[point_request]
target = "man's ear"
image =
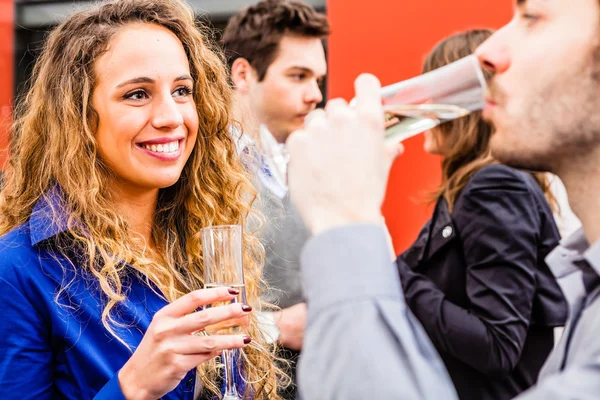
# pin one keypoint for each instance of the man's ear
(242, 74)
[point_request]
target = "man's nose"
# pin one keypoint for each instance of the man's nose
(493, 54)
(313, 93)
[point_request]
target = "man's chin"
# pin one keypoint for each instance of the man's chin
(517, 156)
(504, 152)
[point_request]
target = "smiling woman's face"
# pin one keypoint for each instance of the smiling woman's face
(147, 118)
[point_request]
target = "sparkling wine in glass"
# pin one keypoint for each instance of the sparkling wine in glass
(228, 327)
(222, 246)
(403, 121)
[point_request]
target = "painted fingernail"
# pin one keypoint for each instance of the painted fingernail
(246, 308)
(247, 339)
(233, 291)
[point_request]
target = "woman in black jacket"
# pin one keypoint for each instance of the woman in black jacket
(476, 277)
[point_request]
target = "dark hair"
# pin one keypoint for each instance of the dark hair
(467, 139)
(255, 33)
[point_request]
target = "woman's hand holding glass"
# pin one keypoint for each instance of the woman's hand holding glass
(174, 342)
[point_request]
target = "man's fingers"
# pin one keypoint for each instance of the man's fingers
(393, 150)
(214, 316)
(317, 116)
(338, 112)
(196, 299)
(334, 104)
(368, 94)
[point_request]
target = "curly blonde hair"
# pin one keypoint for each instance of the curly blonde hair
(53, 143)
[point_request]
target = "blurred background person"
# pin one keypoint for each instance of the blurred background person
(101, 270)
(277, 61)
(475, 277)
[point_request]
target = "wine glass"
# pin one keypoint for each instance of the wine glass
(410, 107)
(222, 246)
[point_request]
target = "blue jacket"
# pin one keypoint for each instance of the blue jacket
(52, 343)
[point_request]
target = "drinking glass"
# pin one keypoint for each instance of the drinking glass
(222, 246)
(421, 103)
(410, 107)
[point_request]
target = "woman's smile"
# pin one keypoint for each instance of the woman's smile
(165, 149)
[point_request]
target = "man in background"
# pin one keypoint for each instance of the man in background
(277, 61)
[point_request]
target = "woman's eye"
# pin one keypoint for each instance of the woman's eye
(136, 95)
(183, 91)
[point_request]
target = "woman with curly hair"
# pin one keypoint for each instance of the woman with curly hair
(121, 152)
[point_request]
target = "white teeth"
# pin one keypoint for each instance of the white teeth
(171, 147)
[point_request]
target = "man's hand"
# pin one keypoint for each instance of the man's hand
(291, 322)
(339, 163)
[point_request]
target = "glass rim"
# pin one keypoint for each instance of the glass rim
(472, 59)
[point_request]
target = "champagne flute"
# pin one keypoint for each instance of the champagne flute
(421, 103)
(410, 107)
(222, 246)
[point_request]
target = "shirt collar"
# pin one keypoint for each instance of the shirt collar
(574, 248)
(592, 256)
(242, 141)
(254, 159)
(576, 242)
(49, 216)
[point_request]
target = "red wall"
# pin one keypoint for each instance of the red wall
(389, 38)
(6, 70)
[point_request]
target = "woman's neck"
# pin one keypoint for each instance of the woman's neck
(138, 207)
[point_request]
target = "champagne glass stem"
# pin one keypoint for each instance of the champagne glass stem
(230, 389)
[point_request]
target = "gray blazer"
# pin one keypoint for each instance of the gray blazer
(361, 341)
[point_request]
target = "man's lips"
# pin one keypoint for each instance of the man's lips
(489, 100)
(490, 104)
